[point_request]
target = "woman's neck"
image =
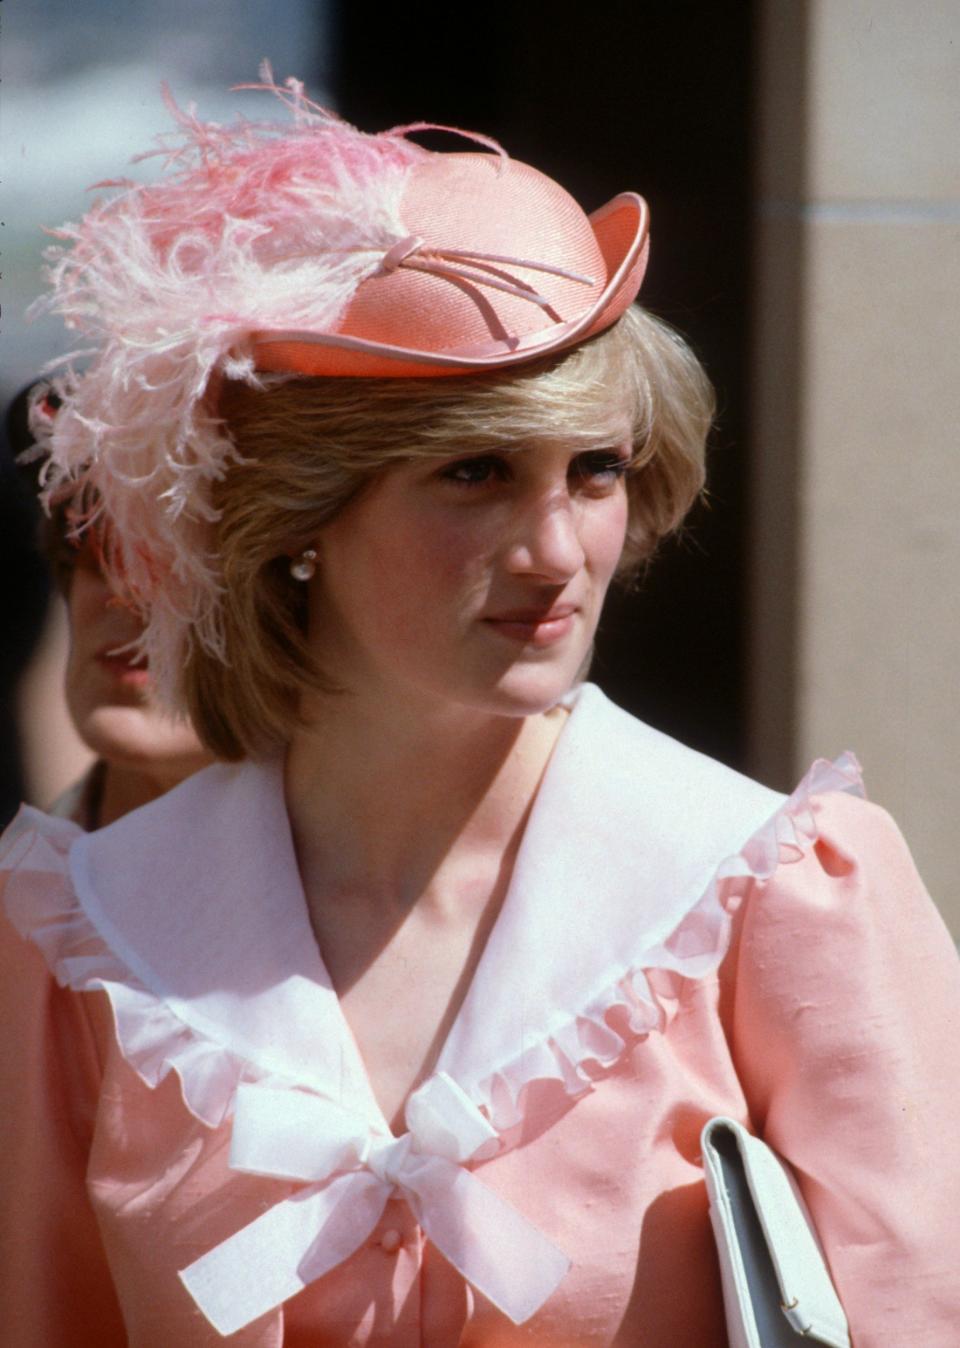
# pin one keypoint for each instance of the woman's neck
(391, 804)
(123, 789)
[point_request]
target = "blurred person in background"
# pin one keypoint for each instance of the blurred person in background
(140, 750)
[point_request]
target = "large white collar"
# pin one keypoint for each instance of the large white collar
(200, 896)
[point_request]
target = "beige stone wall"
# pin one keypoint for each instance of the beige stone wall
(856, 550)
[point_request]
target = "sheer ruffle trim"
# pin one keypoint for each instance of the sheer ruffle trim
(42, 906)
(632, 1005)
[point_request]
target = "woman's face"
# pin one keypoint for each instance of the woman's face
(477, 579)
(108, 694)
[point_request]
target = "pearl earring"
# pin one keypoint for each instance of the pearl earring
(304, 567)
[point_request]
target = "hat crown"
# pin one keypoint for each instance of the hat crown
(480, 205)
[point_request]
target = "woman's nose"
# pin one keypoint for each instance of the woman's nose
(546, 541)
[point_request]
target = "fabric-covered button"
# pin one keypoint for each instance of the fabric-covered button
(391, 1240)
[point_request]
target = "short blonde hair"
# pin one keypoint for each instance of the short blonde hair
(308, 446)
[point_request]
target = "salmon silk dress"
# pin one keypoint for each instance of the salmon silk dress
(192, 1154)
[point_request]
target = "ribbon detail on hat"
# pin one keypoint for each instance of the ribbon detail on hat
(460, 264)
(351, 1170)
(399, 253)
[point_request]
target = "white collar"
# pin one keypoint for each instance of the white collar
(200, 896)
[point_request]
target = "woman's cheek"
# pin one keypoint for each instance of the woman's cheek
(607, 536)
(450, 552)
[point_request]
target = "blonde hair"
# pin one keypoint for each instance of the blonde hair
(307, 446)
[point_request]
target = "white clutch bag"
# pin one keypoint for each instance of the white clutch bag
(776, 1288)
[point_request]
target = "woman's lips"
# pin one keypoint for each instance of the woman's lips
(124, 669)
(533, 627)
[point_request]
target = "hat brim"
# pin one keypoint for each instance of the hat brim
(621, 229)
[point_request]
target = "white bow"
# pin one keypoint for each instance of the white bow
(351, 1170)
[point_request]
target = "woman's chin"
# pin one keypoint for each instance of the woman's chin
(529, 690)
(139, 736)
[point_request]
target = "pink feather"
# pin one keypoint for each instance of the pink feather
(255, 225)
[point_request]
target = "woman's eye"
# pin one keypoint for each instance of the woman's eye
(593, 468)
(601, 466)
(474, 472)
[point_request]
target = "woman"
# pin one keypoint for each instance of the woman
(141, 750)
(399, 1025)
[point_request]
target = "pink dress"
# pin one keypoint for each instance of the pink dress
(192, 1153)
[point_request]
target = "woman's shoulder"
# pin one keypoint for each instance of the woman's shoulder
(653, 785)
(699, 804)
(138, 912)
(39, 934)
(55, 876)
(845, 890)
(699, 859)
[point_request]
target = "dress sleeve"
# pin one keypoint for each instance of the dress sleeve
(55, 1288)
(843, 996)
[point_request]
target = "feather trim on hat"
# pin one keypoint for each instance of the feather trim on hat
(256, 226)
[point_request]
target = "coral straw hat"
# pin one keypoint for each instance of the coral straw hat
(270, 250)
(496, 264)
